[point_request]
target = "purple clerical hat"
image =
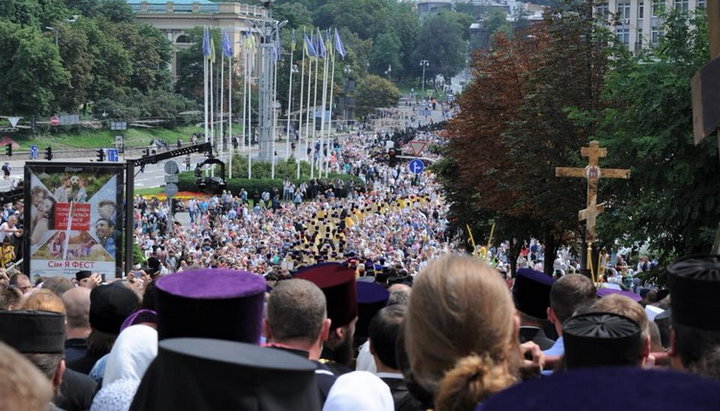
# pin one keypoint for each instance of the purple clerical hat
(211, 303)
(603, 292)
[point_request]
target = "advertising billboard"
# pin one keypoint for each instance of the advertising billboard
(73, 218)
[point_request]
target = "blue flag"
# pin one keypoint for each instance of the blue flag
(206, 42)
(278, 45)
(339, 47)
(321, 51)
(309, 46)
(227, 46)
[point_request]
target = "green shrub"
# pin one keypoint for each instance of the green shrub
(187, 179)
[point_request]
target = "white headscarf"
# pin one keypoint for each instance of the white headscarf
(359, 391)
(132, 353)
(134, 350)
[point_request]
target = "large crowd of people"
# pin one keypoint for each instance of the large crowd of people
(393, 221)
(352, 297)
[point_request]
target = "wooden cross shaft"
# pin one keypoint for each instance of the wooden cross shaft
(592, 173)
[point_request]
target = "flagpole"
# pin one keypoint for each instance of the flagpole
(332, 82)
(212, 109)
(289, 107)
(245, 90)
(314, 119)
(222, 102)
(205, 86)
(308, 156)
(230, 116)
(323, 147)
(299, 133)
(273, 133)
(249, 105)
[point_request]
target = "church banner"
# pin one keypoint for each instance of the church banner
(73, 219)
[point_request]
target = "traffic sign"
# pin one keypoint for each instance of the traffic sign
(171, 189)
(112, 154)
(33, 152)
(54, 121)
(416, 166)
(171, 179)
(171, 167)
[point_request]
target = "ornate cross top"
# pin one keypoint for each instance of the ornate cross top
(592, 173)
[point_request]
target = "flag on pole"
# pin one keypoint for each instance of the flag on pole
(328, 43)
(211, 57)
(309, 46)
(227, 45)
(206, 42)
(293, 41)
(339, 47)
(278, 45)
(320, 45)
(249, 41)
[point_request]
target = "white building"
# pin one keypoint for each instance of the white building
(636, 23)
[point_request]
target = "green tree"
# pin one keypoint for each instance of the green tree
(296, 14)
(30, 69)
(112, 62)
(366, 18)
(150, 53)
(405, 25)
(441, 43)
(114, 10)
(386, 53)
(375, 92)
(78, 59)
(671, 199)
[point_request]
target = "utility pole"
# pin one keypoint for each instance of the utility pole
(267, 29)
(423, 64)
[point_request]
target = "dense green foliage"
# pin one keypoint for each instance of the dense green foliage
(93, 57)
(538, 98)
(64, 56)
(263, 182)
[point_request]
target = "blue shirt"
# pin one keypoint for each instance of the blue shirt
(557, 349)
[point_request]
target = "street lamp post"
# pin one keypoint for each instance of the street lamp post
(347, 70)
(73, 19)
(388, 71)
(423, 63)
(55, 29)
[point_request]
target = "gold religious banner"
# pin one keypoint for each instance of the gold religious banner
(592, 173)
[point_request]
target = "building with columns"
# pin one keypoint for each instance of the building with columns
(636, 23)
(175, 18)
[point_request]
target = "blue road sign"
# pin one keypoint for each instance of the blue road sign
(33, 152)
(416, 166)
(112, 154)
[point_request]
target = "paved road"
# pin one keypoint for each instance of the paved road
(154, 174)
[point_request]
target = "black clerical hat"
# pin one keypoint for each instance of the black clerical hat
(33, 331)
(210, 374)
(531, 292)
(695, 286)
(371, 298)
(601, 339)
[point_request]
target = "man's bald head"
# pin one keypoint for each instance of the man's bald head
(399, 294)
(399, 287)
(77, 307)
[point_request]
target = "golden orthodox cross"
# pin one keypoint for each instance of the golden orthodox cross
(592, 173)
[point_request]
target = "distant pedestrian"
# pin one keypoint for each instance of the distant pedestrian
(6, 171)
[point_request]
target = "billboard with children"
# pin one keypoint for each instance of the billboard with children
(73, 218)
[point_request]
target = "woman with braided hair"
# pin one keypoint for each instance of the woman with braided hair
(461, 333)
